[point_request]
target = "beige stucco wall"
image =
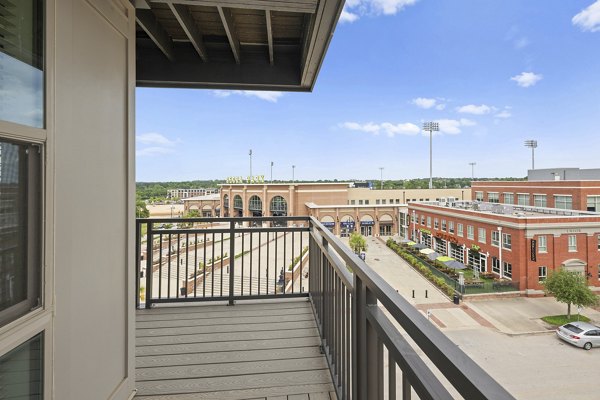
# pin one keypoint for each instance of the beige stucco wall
(406, 195)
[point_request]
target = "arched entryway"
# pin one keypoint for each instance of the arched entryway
(366, 225)
(328, 222)
(278, 207)
(238, 206)
(574, 265)
(386, 223)
(255, 206)
(347, 225)
(207, 211)
(226, 205)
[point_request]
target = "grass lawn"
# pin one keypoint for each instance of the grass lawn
(557, 320)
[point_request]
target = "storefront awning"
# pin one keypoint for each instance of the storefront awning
(426, 251)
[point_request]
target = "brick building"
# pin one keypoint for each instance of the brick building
(519, 243)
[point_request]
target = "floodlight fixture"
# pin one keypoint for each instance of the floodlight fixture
(532, 144)
(431, 127)
(472, 164)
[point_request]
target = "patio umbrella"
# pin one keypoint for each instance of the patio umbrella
(406, 241)
(444, 259)
(426, 251)
(433, 255)
(455, 264)
(411, 243)
(419, 246)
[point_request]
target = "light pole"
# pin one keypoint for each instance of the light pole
(531, 144)
(293, 172)
(500, 249)
(250, 154)
(271, 171)
(431, 127)
(381, 170)
(472, 164)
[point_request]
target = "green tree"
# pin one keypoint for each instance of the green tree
(193, 214)
(357, 242)
(570, 288)
(140, 209)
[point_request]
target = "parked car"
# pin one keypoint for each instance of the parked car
(580, 334)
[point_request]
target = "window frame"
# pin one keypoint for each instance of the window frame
(572, 244)
(506, 241)
(542, 273)
(470, 232)
(542, 239)
(481, 235)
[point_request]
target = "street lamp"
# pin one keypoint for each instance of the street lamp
(293, 171)
(472, 164)
(381, 170)
(431, 127)
(532, 144)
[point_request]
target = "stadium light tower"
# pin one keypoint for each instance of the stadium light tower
(293, 172)
(532, 144)
(381, 169)
(472, 164)
(431, 127)
(250, 154)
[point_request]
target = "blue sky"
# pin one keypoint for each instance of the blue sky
(492, 73)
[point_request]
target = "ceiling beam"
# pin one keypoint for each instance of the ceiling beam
(269, 35)
(183, 15)
(234, 42)
(298, 6)
(148, 22)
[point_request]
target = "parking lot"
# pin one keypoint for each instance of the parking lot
(504, 336)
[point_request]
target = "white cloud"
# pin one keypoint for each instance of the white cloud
(475, 110)
(263, 95)
(347, 16)
(157, 144)
(527, 79)
(386, 127)
(423, 102)
(440, 107)
(354, 9)
(503, 114)
(521, 43)
(589, 18)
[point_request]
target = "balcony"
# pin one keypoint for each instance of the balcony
(278, 307)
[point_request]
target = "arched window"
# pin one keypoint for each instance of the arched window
(226, 201)
(237, 202)
(255, 203)
(278, 205)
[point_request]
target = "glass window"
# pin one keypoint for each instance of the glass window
(539, 200)
(352, 202)
(422, 220)
(255, 204)
(383, 201)
(523, 199)
(377, 201)
(360, 202)
(397, 201)
(496, 265)
(495, 238)
(593, 203)
(479, 196)
(429, 222)
(443, 224)
(572, 243)
(226, 201)
(563, 202)
(509, 198)
(22, 62)
(451, 226)
(470, 232)
(20, 263)
(436, 223)
(542, 244)
(507, 241)
(366, 201)
(459, 229)
(493, 197)
(507, 269)
(598, 241)
(21, 371)
(542, 273)
(481, 235)
(278, 206)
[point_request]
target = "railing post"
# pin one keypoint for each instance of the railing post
(231, 260)
(367, 352)
(149, 259)
(138, 244)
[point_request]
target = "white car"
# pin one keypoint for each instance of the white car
(580, 334)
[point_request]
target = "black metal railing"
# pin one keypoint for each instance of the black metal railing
(363, 323)
(376, 343)
(207, 259)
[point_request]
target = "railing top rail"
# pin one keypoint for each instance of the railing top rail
(221, 219)
(335, 261)
(475, 383)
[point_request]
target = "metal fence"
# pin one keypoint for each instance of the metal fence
(208, 259)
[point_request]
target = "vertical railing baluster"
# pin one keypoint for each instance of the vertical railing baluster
(406, 389)
(250, 266)
(187, 253)
(169, 269)
(293, 266)
(149, 273)
(259, 259)
(196, 265)
(204, 265)
(160, 256)
(212, 265)
(138, 261)
(178, 265)
(221, 261)
(301, 265)
(391, 377)
(242, 274)
(231, 262)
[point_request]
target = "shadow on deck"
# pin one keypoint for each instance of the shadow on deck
(260, 350)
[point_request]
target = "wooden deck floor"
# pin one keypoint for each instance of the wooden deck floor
(264, 350)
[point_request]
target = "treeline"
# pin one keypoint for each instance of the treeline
(438, 183)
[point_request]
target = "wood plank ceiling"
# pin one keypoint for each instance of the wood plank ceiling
(234, 44)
